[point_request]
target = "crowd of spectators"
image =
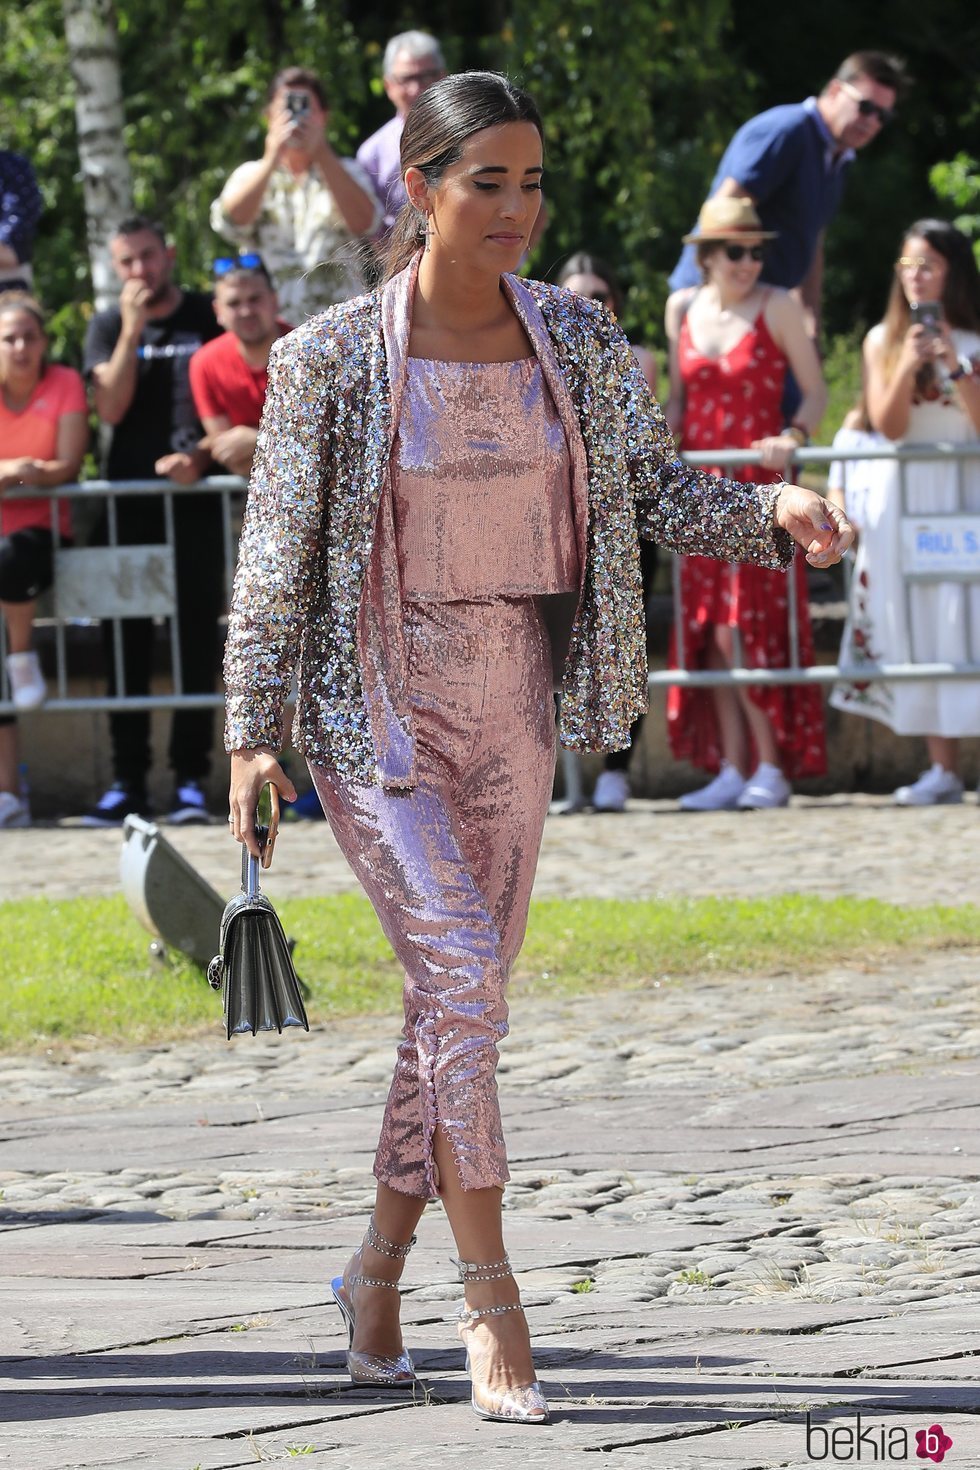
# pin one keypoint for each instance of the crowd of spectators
(177, 380)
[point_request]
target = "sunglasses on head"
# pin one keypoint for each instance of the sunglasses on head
(866, 107)
(736, 252)
(226, 263)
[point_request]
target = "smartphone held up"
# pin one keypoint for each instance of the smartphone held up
(297, 105)
(928, 314)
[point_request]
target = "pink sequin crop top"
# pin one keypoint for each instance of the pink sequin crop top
(482, 500)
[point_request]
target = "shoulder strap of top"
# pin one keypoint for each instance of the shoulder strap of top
(766, 298)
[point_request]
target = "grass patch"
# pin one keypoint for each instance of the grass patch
(78, 971)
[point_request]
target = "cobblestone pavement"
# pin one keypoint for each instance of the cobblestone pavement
(833, 845)
(734, 1201)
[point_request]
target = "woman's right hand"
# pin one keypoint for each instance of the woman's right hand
(776, 451)
(917, 348)
(251, 771)
(14, 472)
(281, 135)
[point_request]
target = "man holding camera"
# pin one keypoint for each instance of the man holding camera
(300, 206)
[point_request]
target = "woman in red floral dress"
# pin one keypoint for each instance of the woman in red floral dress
(731, 343)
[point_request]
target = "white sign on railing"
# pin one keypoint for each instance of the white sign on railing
(943, 545)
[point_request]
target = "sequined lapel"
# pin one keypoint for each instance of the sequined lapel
(381, 643)
(534, 324)
(397, 301)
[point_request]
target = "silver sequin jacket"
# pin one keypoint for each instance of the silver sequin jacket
(317, 578)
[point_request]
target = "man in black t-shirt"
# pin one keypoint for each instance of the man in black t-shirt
(137, 356)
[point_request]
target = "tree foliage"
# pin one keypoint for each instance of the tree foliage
(639, 100)
(618, 87)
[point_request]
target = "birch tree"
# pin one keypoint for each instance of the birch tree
(93, 56)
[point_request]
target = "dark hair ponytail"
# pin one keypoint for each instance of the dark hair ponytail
(438, 124)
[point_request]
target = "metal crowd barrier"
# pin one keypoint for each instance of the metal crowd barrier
(921, 533)
(112, 582)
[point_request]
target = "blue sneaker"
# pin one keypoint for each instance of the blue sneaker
(114, 807)
(190, 806)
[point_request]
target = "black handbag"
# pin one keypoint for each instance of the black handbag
(254, 966)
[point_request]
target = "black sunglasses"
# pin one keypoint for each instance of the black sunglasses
(596, 295)
(866, 107)
(754, 252)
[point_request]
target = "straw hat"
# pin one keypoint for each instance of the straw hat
(726, 218)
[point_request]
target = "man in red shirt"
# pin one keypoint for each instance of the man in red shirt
(229, 375)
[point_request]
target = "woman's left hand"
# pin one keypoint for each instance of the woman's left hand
(776, 451)
(944, 348)
(820, 527)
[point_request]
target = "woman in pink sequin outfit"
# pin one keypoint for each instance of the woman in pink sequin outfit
(442, 518)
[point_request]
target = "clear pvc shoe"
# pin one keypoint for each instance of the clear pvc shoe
(373, 1369)
(524, 1404)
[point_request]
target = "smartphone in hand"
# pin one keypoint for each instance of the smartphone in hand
(928, 314)
(297, 105)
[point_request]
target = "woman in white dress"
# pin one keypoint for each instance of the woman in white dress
(923, 385)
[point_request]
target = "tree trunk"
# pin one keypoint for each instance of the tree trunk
(93, 54)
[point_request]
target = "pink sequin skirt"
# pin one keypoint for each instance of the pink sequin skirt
(448, 867)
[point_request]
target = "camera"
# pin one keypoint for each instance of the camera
(297, 105)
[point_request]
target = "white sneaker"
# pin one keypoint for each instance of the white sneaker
(612, 792)
(935, 787)
(27, 686)
(766, 787)
(720, 795)
(13, 811)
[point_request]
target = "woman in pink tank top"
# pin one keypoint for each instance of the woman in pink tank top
(43, 436)
(731, 343)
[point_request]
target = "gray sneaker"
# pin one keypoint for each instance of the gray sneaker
(935, 787)
(766, 787)
(612, 792)
(720, 795)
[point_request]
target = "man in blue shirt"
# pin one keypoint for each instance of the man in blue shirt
(791, 162)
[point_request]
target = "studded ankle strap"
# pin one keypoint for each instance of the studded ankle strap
(470, 1315)
(353, 1281)
(482, 1270)
(384, 1246)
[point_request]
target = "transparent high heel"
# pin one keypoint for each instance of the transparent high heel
(525, 1404)
(373, 1368)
